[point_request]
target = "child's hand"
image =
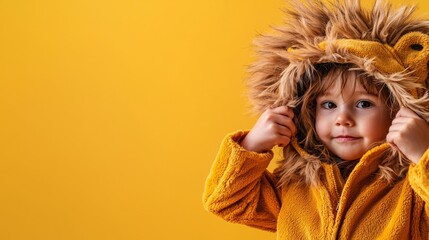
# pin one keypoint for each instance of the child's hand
(274, 127)
(410, 134)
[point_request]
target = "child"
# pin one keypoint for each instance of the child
(344, 91)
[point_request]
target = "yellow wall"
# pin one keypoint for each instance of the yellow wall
(112, 113)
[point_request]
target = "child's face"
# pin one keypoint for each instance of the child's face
(348, 122)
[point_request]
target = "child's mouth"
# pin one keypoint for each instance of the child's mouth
(345, 138)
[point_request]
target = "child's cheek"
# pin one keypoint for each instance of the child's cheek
(322, 124)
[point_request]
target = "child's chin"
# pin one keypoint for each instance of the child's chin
(349, 157)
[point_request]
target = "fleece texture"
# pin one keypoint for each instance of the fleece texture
(241, 190)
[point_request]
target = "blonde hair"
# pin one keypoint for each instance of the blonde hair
(306, 169)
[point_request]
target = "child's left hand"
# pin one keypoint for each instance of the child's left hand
(410, 134)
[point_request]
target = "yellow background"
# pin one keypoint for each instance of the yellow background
(112, 113)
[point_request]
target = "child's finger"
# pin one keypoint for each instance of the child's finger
(404, 123)
(284, 110)
(283, 141)
(287, 123)
(398, 122)
(285, 131)
(280, 119)
(395, 128)
(406, 112)
(391, 137)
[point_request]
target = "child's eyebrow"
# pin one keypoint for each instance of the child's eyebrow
(331, 93)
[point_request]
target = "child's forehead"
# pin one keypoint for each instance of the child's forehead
(338, 80)
(342, 72)
(349, 87)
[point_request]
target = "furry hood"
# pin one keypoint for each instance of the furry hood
(317, 32)
(390, 45)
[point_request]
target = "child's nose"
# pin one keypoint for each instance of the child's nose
(344, 118)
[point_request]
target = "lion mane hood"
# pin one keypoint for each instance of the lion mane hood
(391, 45)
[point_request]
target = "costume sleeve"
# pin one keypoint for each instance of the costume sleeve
(239, 188)
(419, 178)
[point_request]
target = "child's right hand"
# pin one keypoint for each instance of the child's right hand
(274, 127)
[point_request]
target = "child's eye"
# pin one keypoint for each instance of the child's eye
(364, 104)
(328, 105)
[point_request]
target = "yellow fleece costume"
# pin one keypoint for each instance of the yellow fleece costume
(240, 190)
(390, 46)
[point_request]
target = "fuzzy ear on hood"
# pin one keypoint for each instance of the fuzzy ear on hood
(392, 45)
